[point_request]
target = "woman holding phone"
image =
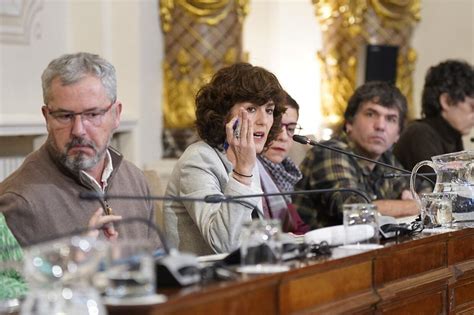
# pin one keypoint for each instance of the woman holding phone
(238, 114)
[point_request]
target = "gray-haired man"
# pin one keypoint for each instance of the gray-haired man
(81, 110)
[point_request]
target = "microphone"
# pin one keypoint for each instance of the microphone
(306, 140)
(83, 230)
(175, 268)
(227, 198)
(95, 195)
(218, 198)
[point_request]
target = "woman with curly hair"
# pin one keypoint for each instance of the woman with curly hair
(238, 114)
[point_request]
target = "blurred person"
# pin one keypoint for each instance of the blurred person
(447, 115)
(238, 114)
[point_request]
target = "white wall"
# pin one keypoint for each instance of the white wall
(124, 32)
(283, 36)
(22, 64)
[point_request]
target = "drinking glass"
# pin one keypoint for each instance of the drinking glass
(261, 248)
(130, 269)
(437, 209)
(58, 274)
(361, 224)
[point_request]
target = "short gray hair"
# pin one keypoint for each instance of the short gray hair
(71, 68)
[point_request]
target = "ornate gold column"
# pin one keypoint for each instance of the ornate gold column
(200, 36)
(347, 26)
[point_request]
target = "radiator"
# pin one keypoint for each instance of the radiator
(8, 164)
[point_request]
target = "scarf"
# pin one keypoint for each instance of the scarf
(285, 174)
(277, 207)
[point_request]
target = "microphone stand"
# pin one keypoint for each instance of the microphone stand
(306, 140)
(83, 230)
(95, 195)
(224, 198)
(218, 198)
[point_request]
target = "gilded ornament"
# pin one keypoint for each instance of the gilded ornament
(166, 8)
(348, 26)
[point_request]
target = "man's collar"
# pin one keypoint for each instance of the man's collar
(112, 155)
(108, 169)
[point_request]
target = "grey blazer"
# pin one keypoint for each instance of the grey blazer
(200, 227)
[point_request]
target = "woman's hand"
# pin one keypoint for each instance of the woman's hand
(241, 152)
(104, 223)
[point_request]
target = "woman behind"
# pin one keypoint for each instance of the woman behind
(278, 173)
(237, 115)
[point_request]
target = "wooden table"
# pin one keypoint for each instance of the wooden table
(428, 274)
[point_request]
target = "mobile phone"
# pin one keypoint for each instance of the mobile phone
(236, 124)
(234, 128)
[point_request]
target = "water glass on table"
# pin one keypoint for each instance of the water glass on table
(361, 226)
(437, 209)
(261, 248)
(130, 269)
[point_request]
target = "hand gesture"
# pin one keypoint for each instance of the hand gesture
(104, 223)
(241, 152)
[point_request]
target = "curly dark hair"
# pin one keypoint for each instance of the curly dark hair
(381, 93)
(290, 102)
(454, 77)
(240, 82)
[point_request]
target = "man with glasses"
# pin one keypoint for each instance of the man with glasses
(40, 200)
(373, 118)
(278, 173)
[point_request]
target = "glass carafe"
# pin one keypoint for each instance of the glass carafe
(58, 273)
(454, 173)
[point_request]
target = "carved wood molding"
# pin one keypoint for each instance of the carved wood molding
(415, 284)
(464, 269)
(17, 20)
(353, 304)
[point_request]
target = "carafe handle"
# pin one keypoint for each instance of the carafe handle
(413, 177)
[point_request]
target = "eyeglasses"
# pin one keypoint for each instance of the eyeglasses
(292, 128)
(94, 117)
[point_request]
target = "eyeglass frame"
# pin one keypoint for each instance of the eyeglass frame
(99, 112)
(291, 134)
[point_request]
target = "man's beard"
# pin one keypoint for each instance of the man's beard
(80, 161)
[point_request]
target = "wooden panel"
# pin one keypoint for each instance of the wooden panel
(255, 299)
(461, 248)
(326, 286)
(428, 303)
(430, 274)
(469, 311)
(431, 281)
(463, 295)
(354, 305)
(397, 264)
